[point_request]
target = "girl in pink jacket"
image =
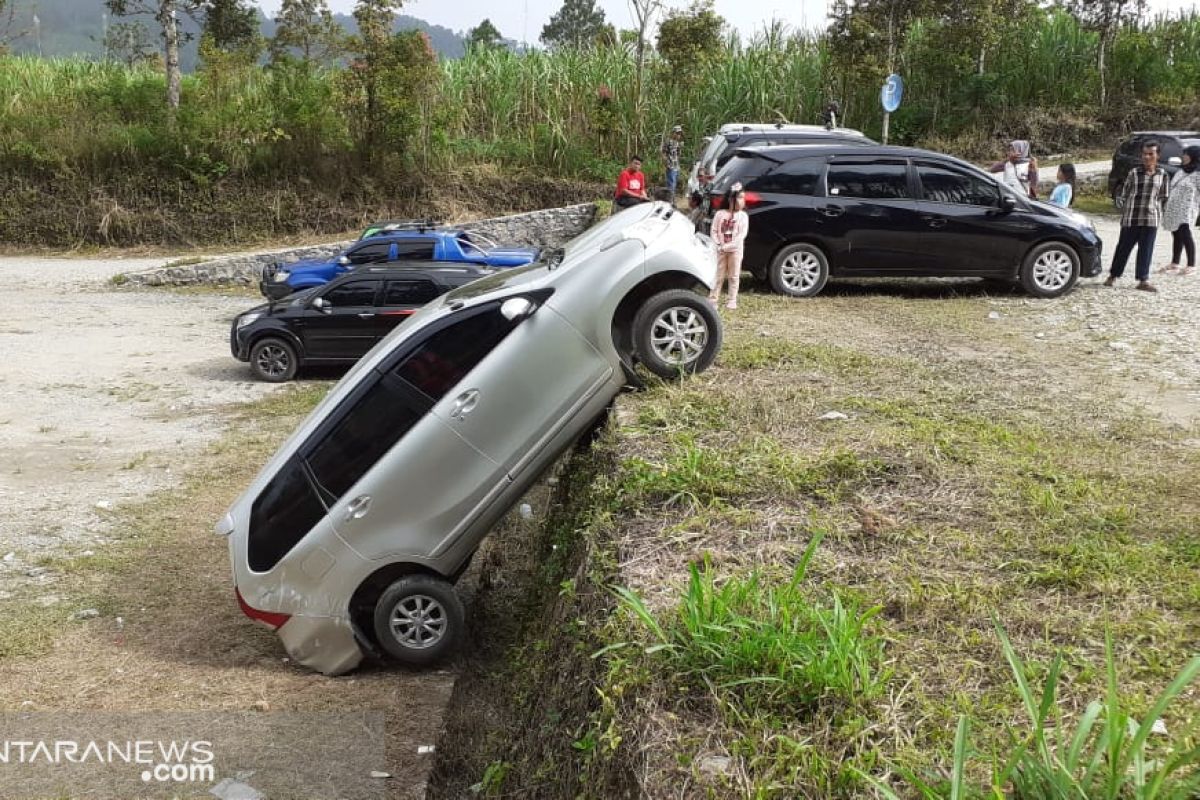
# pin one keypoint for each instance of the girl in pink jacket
(729, 228)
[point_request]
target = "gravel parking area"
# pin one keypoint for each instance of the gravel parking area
(1144, 343)
(104, 395)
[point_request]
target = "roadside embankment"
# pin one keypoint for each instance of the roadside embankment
(549, 227)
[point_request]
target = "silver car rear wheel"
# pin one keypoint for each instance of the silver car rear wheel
(419, 619)
(1050, 269)
(676, 332)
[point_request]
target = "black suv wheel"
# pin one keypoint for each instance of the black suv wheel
(273, 360)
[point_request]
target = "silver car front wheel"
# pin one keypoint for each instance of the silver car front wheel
(419, 619)
(799, 270)
(1050, 269)
(676, 332)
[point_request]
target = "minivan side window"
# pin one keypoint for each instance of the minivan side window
(878, 179)
(285, 510)
(444, 359)
(941, 184)
(800, 176)
(354, 293)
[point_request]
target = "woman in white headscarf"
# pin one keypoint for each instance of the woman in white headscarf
(1019, 168)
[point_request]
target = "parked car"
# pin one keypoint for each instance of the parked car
(352, 536)
(721, 146)
(340, 321)
(1128, 154)
(381, 247)
(822, 211)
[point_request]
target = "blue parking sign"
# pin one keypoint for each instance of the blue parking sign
(893, 90)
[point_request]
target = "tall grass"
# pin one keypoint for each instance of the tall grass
(575, 113)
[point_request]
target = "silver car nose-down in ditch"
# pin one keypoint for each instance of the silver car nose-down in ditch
(351, 537)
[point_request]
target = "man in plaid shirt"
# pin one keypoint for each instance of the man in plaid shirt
(1142, 199)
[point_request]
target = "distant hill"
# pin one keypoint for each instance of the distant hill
(76, 28)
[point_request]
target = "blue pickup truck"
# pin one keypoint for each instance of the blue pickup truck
(383, 247)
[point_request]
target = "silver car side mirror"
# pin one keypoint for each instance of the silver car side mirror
(516, 308)
(1175, 161)
(322, 305)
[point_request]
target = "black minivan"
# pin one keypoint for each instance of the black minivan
(1128, 154)
(821, 211)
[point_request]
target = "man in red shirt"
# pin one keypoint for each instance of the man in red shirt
(631, 185)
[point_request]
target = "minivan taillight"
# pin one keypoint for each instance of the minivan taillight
(716, 201)
(271, 619)
(752, 199)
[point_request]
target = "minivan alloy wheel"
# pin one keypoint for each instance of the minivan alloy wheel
(418, 621)
(679, 335)
(800, 271)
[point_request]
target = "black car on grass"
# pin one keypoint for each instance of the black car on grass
(338, 322)
(821, 211)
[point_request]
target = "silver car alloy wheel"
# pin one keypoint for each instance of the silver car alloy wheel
(273, 360)
(679, 335)
(800, 271)
(1052, 270)
(418, 622)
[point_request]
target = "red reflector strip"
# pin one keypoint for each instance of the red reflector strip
(406, 313)
(271, 619)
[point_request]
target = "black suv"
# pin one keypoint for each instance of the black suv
(338, 322)
(821, 211)
(1128, 154)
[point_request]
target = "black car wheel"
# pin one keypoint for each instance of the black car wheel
(1050, 269)
(675, 332)
(419, 619)
(799, 270)
(273, 360)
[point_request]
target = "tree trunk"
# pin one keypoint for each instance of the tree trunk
(1100, 67)
(170, 26)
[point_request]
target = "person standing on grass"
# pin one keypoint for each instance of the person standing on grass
(729, 228)
(1183, 206)
(670, 153)
(631, 185)
(1064, 192)
(1142, 200)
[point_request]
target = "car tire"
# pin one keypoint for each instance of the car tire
(419, 620)
(1050, 269)
(799, 270)
(676, 331)
(273, 360)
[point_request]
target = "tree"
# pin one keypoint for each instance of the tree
(231, 25)
(691, 40)
(1105, 17)
(374, 44)
(128, 42)
(578, 24)
(166, 14)
(643, 13)
(484, 36)
(309, 27)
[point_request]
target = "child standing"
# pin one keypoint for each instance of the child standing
(729, 228)
(1183, 206)
(1064, 192)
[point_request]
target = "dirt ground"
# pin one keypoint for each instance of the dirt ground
(108, 395)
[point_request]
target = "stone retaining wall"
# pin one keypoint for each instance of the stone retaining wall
(549, 227)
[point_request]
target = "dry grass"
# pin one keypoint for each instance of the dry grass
(971, 482)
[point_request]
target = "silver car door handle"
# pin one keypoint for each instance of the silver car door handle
(366, 314)
(464, 404)
(358, 507)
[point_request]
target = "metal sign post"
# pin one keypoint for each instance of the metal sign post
(889, 97)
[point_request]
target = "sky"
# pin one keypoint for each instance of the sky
(522, 20)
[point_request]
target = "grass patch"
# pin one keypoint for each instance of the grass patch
(763, 648)
(1094, 204)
